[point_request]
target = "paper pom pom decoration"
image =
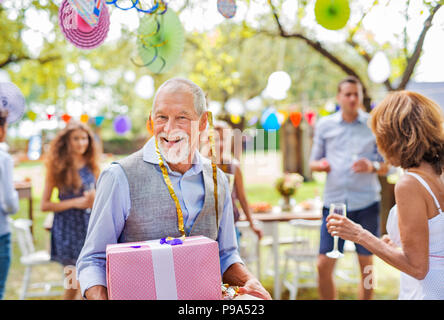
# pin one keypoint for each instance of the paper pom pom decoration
(160, 41)
(227, 8)
(122, 124)
(77, 31)
(12, 99)
(295, 118)
(89, 10)
(332, 14)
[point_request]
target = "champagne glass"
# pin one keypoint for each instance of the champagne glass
(89, 187)
(337, 208)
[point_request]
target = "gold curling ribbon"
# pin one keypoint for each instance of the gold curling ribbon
(171, 190)
(214, 165)
(170, 184)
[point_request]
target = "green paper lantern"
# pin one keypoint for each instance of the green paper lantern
(332, 14)
(160, 41)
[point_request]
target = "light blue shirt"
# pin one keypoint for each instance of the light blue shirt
(342, 143)
(112, 207)
(9, 202)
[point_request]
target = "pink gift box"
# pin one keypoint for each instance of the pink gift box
(149, 270)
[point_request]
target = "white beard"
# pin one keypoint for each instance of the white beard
(177, 153)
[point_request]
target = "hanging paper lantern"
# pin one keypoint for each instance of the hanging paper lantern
(332, 14)
(227, 8)
(99, 120)
(66, 117)
(235, 119)
(310, 117)
(295, 118)
(160, 41)
(122, 124)
(379, 68)
(84, 118)
(32, 115)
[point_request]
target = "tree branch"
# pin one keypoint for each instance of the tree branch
(413, 59)
(14, 59)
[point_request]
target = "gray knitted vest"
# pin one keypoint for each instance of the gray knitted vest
(153, 212)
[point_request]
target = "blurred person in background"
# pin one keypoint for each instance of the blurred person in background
(72, 167)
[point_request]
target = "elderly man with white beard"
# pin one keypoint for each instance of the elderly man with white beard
(133, 202)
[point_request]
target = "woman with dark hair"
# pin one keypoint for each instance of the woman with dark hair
(409, 134)
(71, 167)
(9, 204)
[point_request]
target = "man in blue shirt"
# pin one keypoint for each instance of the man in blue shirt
(133, 202)
(345, 148)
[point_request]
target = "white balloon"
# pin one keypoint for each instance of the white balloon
(215, 107)
(234, 106)
(379, 68)
(254, 104)
(279, 79)
(145, 87)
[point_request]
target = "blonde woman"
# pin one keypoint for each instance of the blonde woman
(409, 133)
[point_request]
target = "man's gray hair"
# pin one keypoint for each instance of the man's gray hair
(200, 104)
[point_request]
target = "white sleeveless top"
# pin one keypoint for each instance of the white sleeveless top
(432, 286)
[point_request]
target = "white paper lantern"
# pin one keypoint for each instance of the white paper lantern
(379, 68)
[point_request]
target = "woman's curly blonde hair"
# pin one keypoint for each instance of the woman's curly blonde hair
(60, 164)
(409, 129)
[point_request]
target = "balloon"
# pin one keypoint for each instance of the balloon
(66, 117)
(379, 68)
(332, 14)
(122, 124)
(84, 118)
(99, 120)
(295, 118)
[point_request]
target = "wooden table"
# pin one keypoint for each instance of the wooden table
(272, 219)
(24, 189)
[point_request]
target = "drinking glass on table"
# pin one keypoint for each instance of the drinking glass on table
(337, 208)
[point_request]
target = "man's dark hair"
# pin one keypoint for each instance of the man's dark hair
(3, 117)
(349, 79)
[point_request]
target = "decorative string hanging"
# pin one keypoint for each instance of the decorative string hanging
(158, 6)
(160, 41)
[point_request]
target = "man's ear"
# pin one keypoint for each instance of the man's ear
(203, 122)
